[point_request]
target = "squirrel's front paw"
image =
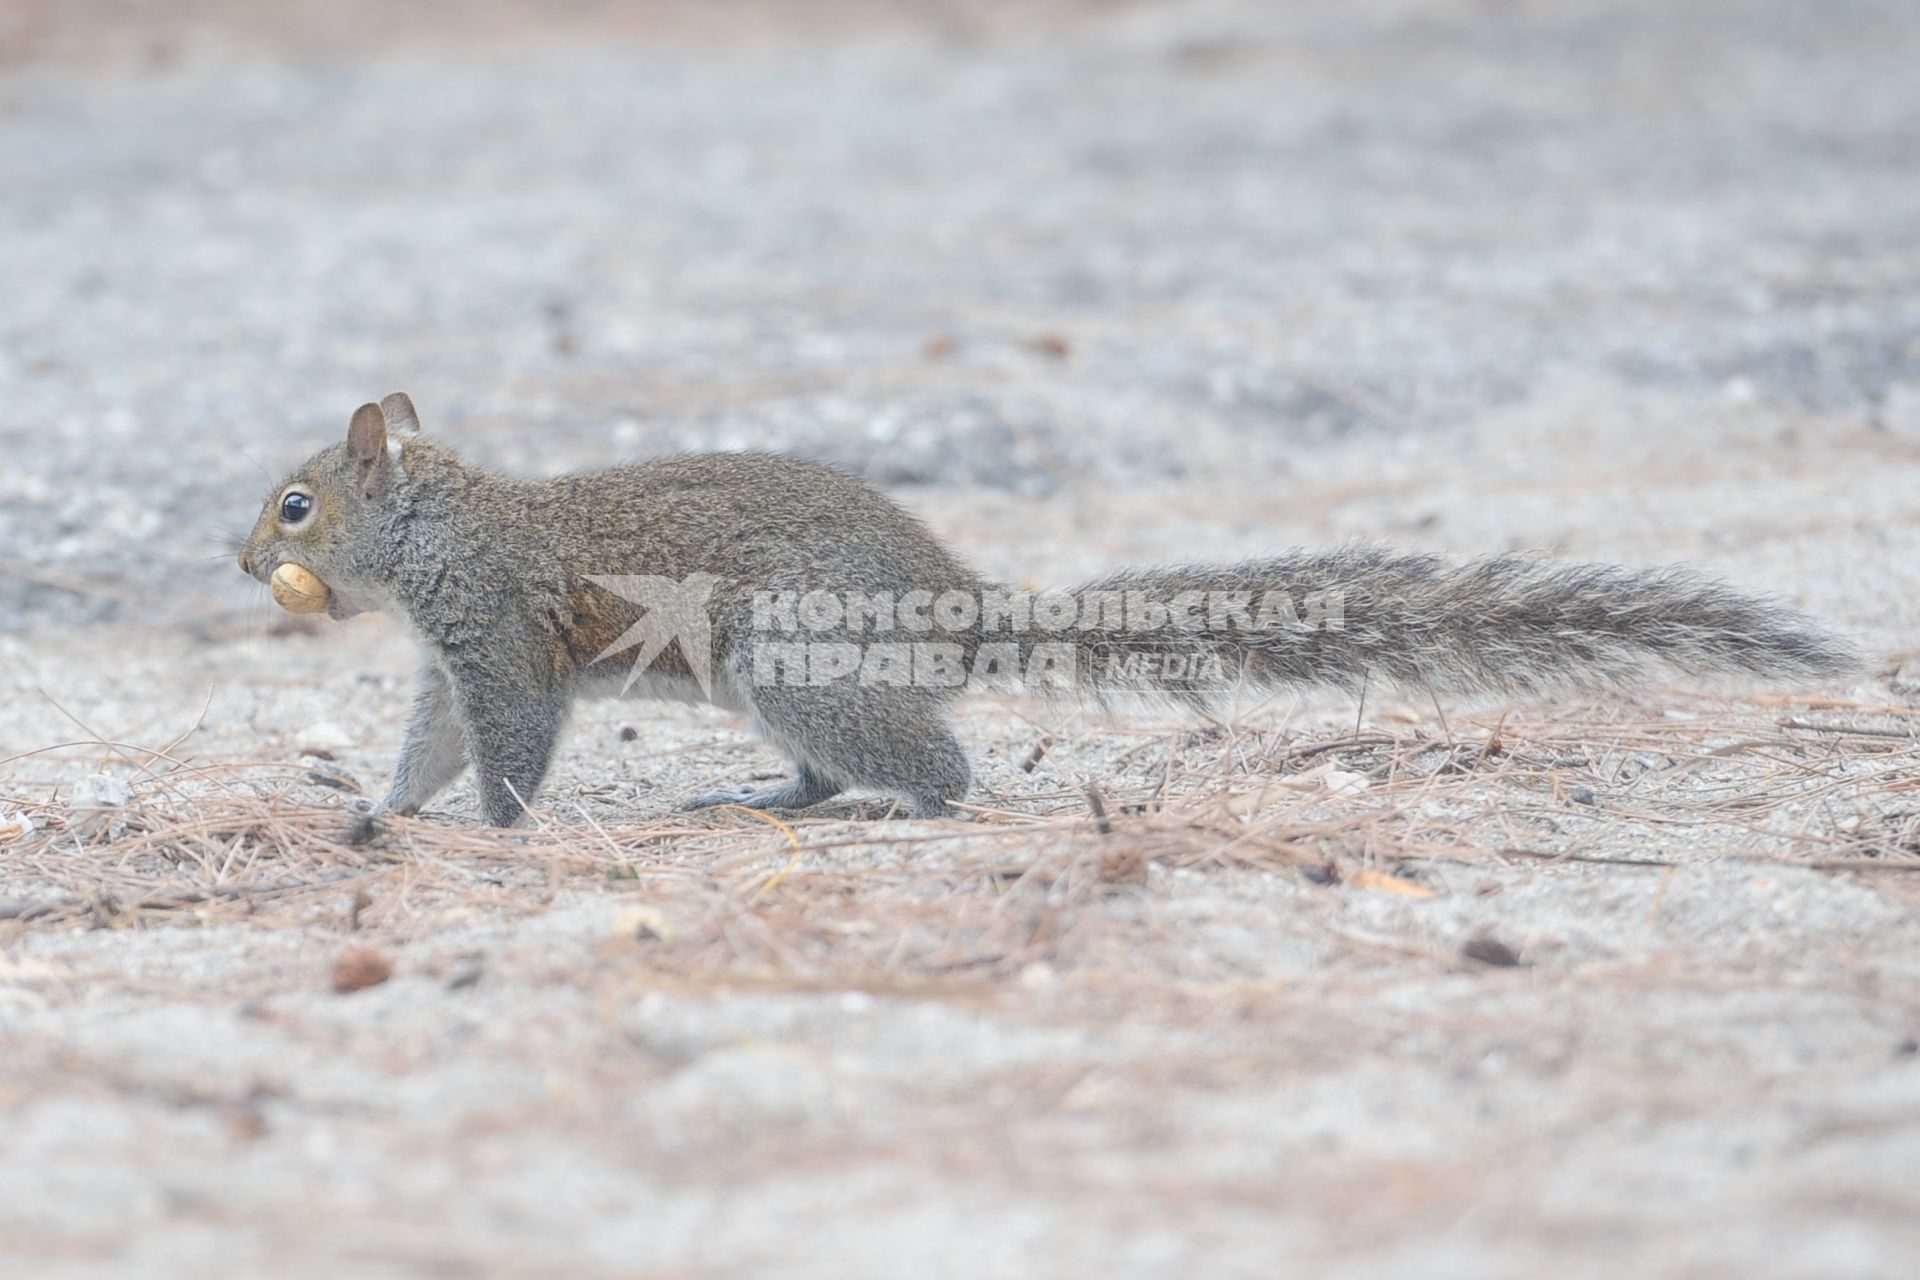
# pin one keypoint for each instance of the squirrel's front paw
(395, 803)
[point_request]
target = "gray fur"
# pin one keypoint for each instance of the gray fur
(493, 575)
(1511, 625)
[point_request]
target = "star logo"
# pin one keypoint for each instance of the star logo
(669, 610)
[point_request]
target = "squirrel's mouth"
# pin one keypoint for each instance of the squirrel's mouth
(259, 565)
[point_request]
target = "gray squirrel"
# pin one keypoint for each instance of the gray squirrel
(516, 590)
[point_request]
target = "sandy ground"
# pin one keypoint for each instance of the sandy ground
(1083, 284)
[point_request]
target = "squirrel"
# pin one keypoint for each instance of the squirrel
(518, 589)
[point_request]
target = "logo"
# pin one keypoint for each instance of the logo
(670, 611)
(1113, 639)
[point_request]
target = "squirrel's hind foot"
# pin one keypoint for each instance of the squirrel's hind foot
(800, 792)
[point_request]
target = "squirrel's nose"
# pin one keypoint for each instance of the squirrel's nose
(246, 564)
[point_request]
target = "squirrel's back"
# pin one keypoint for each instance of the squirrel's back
(763, 521)
(750, 522)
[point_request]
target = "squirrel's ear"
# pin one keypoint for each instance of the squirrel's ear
(367, 447)
(398, 411)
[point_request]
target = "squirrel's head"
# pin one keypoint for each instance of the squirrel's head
(333, 514)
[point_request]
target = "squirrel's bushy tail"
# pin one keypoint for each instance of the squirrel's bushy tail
(1511, 625)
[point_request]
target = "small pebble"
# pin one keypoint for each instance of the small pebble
(1491, 951)
(360, 968)
(99, 791)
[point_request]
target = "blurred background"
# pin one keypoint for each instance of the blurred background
(1079, 252)
(1084, 282)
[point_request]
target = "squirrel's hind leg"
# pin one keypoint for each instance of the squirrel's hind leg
(889, 739)
(805, 788)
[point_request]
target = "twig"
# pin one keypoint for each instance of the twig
(1856, 864)
(1334, 744)
(1849, 731)
(1098, 805)
(174, 900)
(767, 886)
(1543, 856)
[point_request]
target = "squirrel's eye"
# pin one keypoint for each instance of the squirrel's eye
(295, 507)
